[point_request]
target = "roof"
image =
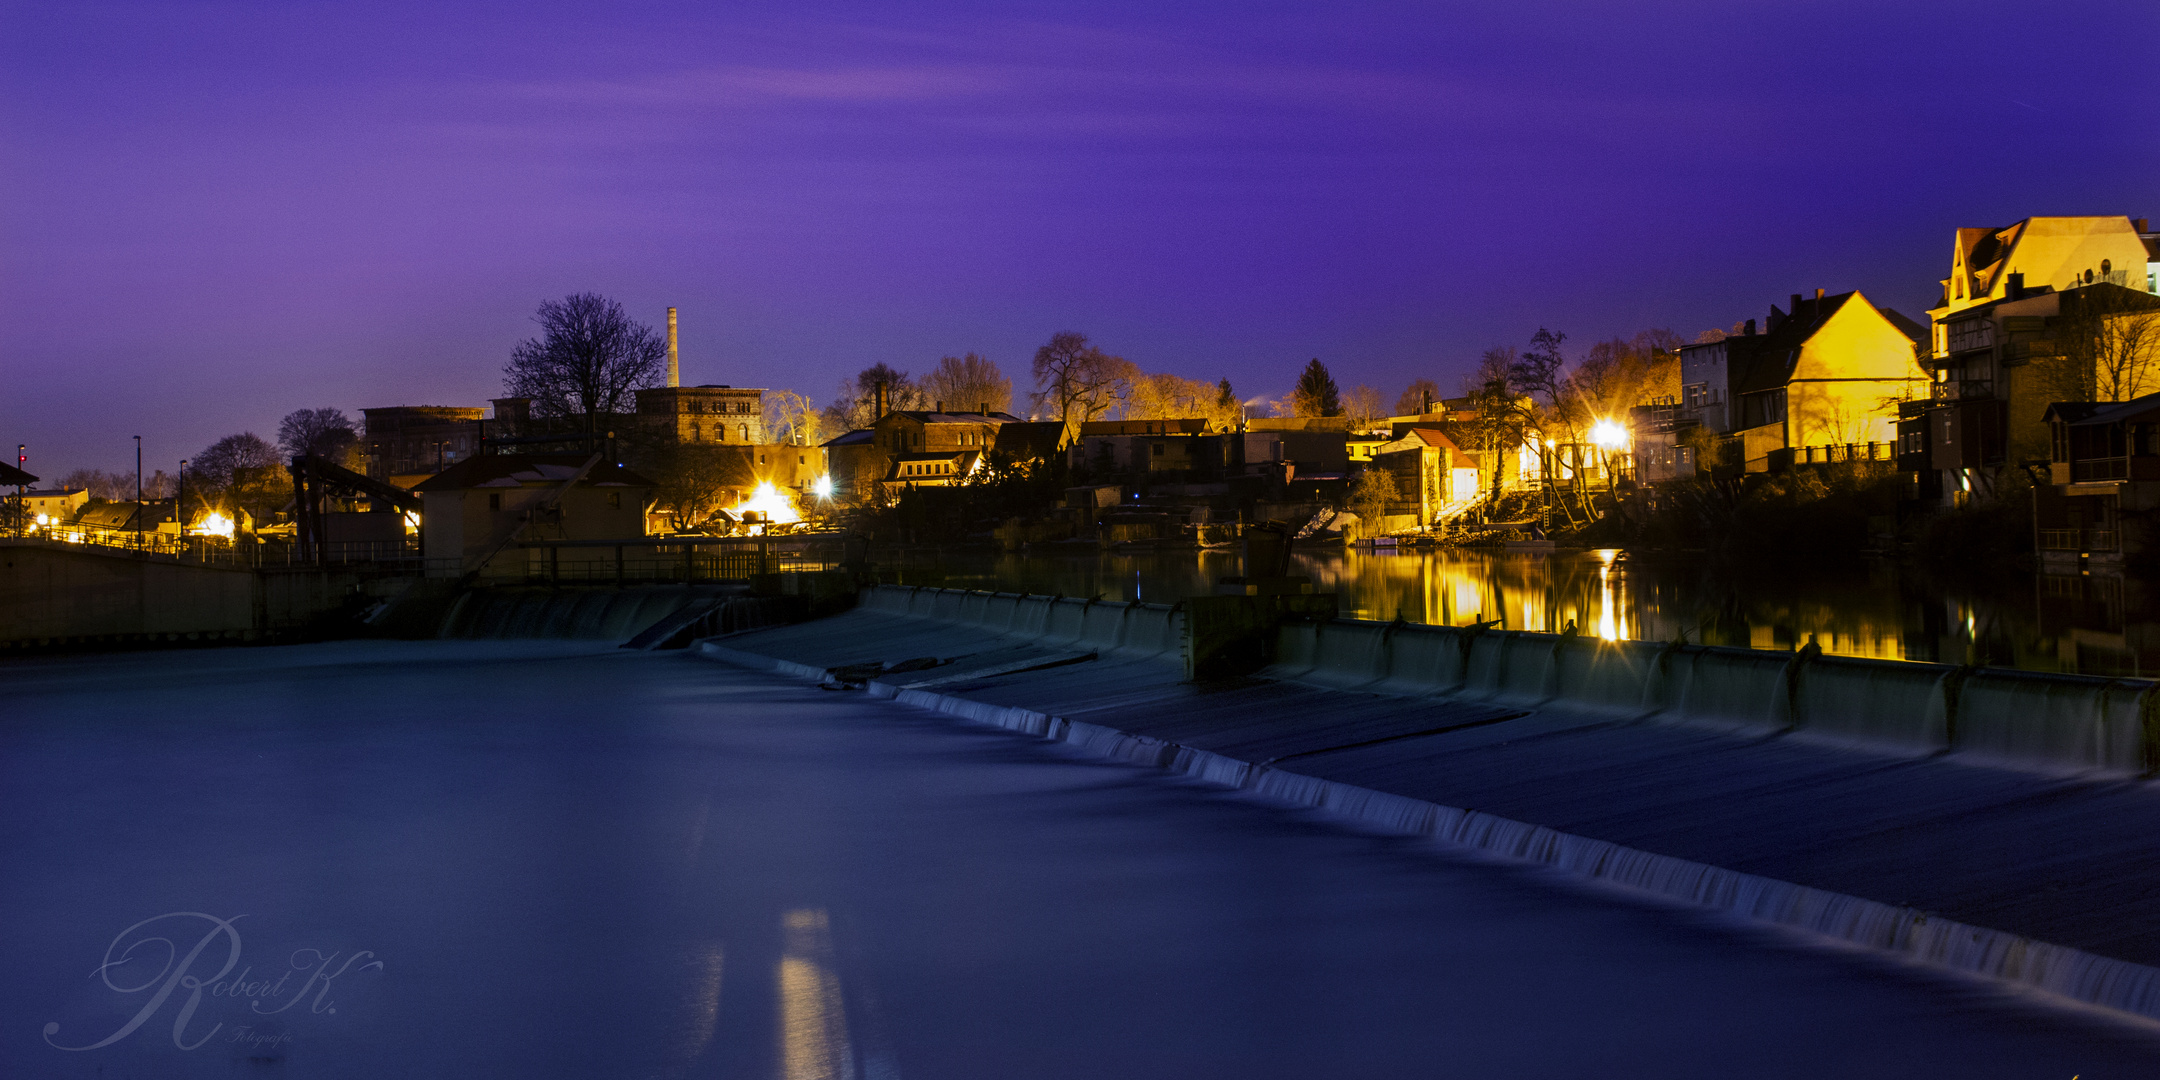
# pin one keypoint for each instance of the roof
(1765, 361)
(1030, 439)
(52, 493)
(2100, 413)
(1185, 425)
(857, 437)
(14, 477)
(517, 470)
(929, 417)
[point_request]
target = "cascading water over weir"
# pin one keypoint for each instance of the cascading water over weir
(1980, 819)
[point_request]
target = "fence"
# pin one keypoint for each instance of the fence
(2077, 539)
(683, 559)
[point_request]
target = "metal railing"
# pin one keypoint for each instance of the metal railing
(1834, 452)
(2077, 540)
(684, 559)
(2111, 468)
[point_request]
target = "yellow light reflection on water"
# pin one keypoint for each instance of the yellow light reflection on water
(813, 1018)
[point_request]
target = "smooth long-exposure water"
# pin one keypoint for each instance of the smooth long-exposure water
(526, 859)
(2079, 623)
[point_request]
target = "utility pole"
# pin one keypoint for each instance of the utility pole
(179, 507)
(138, 491)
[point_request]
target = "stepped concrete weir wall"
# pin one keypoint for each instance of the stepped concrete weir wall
(1134, 630)
(2056, 722)
(1650, 766)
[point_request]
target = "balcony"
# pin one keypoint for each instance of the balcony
(2092, 470)
(2077, 540)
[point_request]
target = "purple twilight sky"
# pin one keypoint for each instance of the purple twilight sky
(214, 213)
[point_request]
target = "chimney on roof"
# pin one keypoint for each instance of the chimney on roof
(1818, 294)
(2140, 225)
(2014, 284)
(940, 407)
(1750, 330)
(1796, 303)
(674, 370)
(983, 408)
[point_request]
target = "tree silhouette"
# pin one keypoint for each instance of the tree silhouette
(1316, 393)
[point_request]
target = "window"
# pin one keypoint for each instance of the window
(494, 501)
(746, 433)
(693, 432)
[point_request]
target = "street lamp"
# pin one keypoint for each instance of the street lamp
(138, 491)
(179, 505)
(1610, 437)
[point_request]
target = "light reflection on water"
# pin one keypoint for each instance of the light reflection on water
(1871, 611)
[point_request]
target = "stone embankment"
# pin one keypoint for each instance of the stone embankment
(1993, 822)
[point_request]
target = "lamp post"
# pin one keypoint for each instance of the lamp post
(179, 506)
(138, 491)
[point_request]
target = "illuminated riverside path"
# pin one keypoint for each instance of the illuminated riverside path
(528, 859)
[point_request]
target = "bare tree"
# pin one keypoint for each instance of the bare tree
(588, 361)
(692, 481)
(791, 417)
(1421, 395)
(1172, 397)
(326, 433)
(2112, 335)
(1077, 382)
(854, 403)
(240, 471)
(1541, 371)
(968, 382)
(1364, 406)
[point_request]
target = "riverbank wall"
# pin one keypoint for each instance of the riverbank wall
(71, 596)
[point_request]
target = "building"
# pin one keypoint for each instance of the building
(1181, 445)
(1997, 365)
(703, 415)
(486, 504)
(407, 442)
(904, 431)
(854, 464)
(2103, 484)
(2059, 253)
(1822, 380)
(54, 504)
(930, 469)
(1430, 471)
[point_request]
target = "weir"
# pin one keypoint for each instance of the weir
(2057, 722)
(1863, 800)
(2051, 722)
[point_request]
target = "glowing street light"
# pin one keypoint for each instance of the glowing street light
(1608, 435)
(823, 487)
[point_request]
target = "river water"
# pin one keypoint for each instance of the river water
(545, 859)
(2060, 623)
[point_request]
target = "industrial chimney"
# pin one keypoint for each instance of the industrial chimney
(674, 366)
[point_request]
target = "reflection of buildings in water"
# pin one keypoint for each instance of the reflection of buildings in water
(2088, 624)
(1871, 613)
